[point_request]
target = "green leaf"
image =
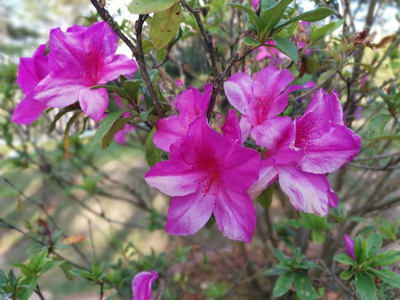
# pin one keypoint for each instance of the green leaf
(374, 242)
(147, 46)
(365, 285)
(265, 198)
(283, 284)
(321, 32)
(153, 154)
(387, 276)
(360, 249)
(145, 114)
(142, 7)
(303, 287)
(106, 126)
(59, 115)
(309, 16)
(345, 259)
(318, 237)
(286, 47)
(165, 25)
(25, 270)
(30, 286)
(211, 221)
(277, 271)
(66, 268)
(251, 42)
(377, 124)
(282, 257)
(116, 126)
(346, 274)
(384, 259)
(254, 20)
(271, 16)
(132, 87)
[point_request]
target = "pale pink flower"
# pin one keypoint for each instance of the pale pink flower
(207, 174)
(79, 59)
(190, 104)
(30, 72)
(142, 285)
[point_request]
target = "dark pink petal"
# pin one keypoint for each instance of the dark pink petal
(169, 131)
(267, 176)
(235, 215)
(337, 108)
(32, 70)
(28, 110)
(307, 192)
(268, 85)
(240, 169)
(205, 99)
(58, 90)
(330, 151)
(238, 91)
(119, 65)
(254, 3)
(333, 199)
(188, 214)
(99, 38)
(231, 128)
(272, 131)
(93, 102)
(142, 285)
(174, 178)
(349, 247)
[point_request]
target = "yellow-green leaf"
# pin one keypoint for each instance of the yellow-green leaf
(142, 7)
(165, 25)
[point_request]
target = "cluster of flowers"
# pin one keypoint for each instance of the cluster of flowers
(78, 59)
(212, 173)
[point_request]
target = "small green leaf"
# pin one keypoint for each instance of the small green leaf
(142, 7)
(384, 259)
(346, 274)
(287, 47)
(365, 285)
(254, 20)
(283, 284)
(377, 124)
(321, 32)
(147, 46)
(345, 259)
(265, 198)
(374, 242)
(360, 249)
(318, 237)
(132, 87)
(165, 25)
(153, 154)
(251, 42)
(387, 276)
(116, 126)
(271, 16)
(303, 287)
(282, 257)
(277, 271)
(145, 114)
(106, 126)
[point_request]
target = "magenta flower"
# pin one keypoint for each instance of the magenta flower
(254, 3)
(303, 153)
(190, 104)
(207, 174)
(30, 72)
(327, 143)
(270, 52)
(79, 59)
(260, 101)
(349, 247)
(142, 285)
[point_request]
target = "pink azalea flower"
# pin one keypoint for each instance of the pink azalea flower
(260, 101)
(254, 3)
(349, 247)
(79, 59)
(142, 285)
(30, 72)
(190, 104)
(207, 174)
(318, 143)
(271, 52)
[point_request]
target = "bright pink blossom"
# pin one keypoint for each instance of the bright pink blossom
(349, 243)
(254, 3)
(30, 72)
(190, 104)
(260, 101)
(142, 285)
(270, 52)
(79, 59)
(207, 174)
(303, 153)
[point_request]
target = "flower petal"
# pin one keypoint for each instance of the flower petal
(272, 131)
(267, 176)
(231, 128)
(188, 214)
(245, 128)
(238, 91)
(28, 110)
(235, 215)
(93, 102)
(349, 247)
(119, 65)
(330, 151)
(142, 285)
(169, 131)
(307, 192)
